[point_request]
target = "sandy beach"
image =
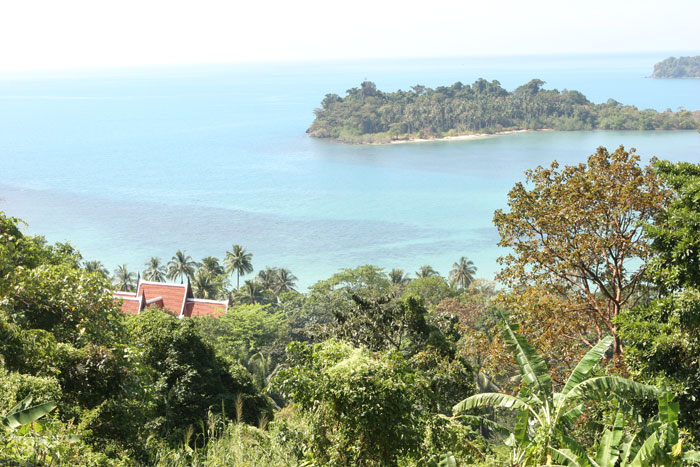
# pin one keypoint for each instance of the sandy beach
(460, 137)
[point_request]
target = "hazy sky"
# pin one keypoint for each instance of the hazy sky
(37, 34)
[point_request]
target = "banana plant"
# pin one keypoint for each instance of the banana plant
(24, 414)
(543, 415)
(656, 444)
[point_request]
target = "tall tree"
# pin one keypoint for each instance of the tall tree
(155, 270)
(398, 277)
(576, 234)
(251, 293)
(98, 267)
(426, 271)
(123, 279)
(212, 266)
(239, 261)
(662, 339)
(203, 285)
(181, 266)
(267, 278)
(462, 274)
(286, 281)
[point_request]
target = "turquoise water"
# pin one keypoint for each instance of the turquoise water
(128, 164)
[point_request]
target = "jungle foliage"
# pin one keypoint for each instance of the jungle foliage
(368, 115)
(681, 67)
(585, 354)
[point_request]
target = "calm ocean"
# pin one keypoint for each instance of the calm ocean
(133, 163)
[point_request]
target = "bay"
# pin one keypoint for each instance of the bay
(133, 163)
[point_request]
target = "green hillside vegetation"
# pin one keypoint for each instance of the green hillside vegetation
(367, 115)
(681, 67)
(586, 352)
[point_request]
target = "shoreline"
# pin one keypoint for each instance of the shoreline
(460, 137)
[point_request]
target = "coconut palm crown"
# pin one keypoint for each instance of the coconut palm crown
(462, 274)
(239, 261)
(398, 277)
(123, 279)
(181, 266)
(98, 267)
(155, 270)
(426, 271)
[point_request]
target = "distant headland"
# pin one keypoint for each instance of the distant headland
(681, 67)
(367, 115)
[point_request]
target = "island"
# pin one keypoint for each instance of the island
(681, 67)
(367, 115)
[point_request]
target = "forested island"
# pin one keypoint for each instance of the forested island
(681, 67)
(368, 115)
(586, 352)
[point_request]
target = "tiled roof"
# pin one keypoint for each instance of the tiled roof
(172, 295)
(130, 305)
(197, 307)
(176, 298)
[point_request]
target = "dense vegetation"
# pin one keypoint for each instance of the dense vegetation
(587, 353)
(367, 115)
(681, 67)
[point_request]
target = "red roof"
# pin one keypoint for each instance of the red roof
(172, 295)
(131, 306)
(176, 298)
(195, 307)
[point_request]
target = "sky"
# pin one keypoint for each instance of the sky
(65, 34)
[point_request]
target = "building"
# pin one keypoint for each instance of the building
(177, 298)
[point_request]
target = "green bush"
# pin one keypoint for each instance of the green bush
(363, 408)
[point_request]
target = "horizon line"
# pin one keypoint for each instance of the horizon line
(309, 60)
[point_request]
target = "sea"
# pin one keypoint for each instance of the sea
(131, 163)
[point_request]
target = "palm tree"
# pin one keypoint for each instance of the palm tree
(181, 266)
(155, 270)
(542, 411)
(251, 293)
(267, 278)
(98, 267)
(238, 261)
(462, 274)
(212, 266)
(397, 277)
(426, 271)
(203, 286)
(286, 281)
(123, 279)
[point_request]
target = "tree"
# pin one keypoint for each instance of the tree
(181, 266)
(155, 270)
(334, 295)
(576, 235)
(462, 274)
(663, 338)
(267, 278)
(203, 286)
(286, 281)
(123, 279)
(98, 267)
(239, 261)
(426, 271)
(187, 380)
(251, 293)
(432, 289)
(543, 414)
(245, 330)
(211, 265)
(364, 408)
(398, 277)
